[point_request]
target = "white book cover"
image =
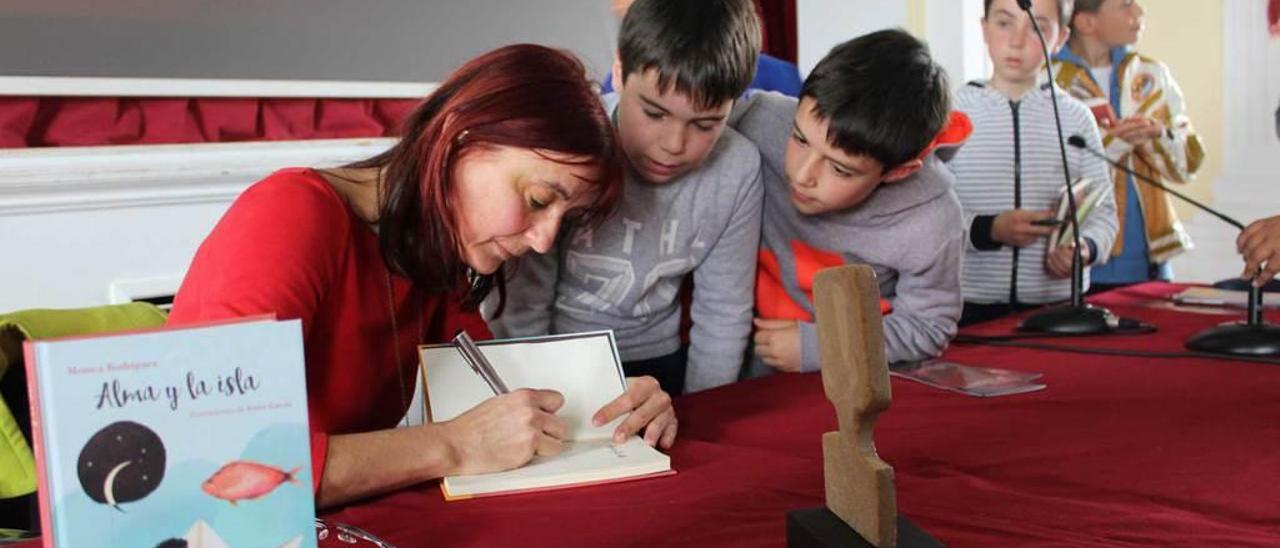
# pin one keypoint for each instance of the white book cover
(584, 367)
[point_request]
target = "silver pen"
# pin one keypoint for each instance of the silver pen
(479, 363)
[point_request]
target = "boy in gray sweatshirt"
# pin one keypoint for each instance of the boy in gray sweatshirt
(851, 177)
(691, 204)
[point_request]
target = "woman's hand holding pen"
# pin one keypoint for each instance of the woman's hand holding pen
(650, 409)
(506, 431)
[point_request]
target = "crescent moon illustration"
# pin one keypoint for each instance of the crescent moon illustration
(108, 486)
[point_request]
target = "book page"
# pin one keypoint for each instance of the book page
(581, 462)
(583, 367)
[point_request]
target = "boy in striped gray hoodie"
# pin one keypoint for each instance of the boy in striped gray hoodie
(1009, 174)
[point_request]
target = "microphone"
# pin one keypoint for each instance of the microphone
(1079, 142)
(1076, 318)
(1251, 338)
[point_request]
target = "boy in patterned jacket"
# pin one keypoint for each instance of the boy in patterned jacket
(1146, 128)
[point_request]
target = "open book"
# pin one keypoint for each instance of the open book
(1088, 194)
(584, 367)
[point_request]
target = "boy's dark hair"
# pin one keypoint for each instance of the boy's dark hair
(706, 48)
(1065, 9)
(1084, 6)
(882, 95)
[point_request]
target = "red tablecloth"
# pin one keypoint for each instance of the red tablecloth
(1116, 451)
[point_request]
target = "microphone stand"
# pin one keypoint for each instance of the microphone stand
(1252, 337)
(1076, 318)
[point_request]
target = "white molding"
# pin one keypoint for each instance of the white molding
(43, 180)
(197, 87)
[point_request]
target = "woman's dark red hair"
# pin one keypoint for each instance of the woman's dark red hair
(525, 96)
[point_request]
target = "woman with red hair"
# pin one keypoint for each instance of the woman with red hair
(382, 255)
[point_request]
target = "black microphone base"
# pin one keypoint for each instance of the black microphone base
(1070, 320)
(1238, 339)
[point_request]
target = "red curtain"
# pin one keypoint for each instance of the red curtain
(88, 121)
(1273, 17)
(779, 20)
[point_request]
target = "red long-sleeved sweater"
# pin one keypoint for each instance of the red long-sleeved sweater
(291, 246)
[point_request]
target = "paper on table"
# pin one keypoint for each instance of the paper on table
(1212, 296)
(974, 381)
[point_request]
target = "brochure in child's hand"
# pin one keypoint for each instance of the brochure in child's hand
(583, 367)
(1088, 194)
(983, 382)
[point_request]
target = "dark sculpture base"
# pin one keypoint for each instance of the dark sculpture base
(820, 528)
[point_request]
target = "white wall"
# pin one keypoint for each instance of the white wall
(824, 23)
(95, 225)
(955, 39)
(949, 26)
(1249, 185)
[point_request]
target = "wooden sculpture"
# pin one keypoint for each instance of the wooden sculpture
(855, 378)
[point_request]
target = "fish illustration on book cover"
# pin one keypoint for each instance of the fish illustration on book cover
(246, 480)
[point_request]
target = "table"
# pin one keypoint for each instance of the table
(1117, 451)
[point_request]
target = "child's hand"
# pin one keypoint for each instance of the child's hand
(778, 344)
(1138, 130)
(1015, 227)
(1058, 261)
